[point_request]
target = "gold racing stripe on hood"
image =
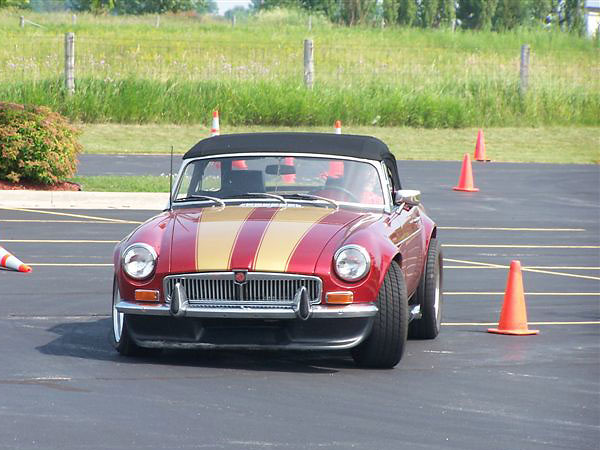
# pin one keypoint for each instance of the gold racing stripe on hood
(217, 232)
(283, 234)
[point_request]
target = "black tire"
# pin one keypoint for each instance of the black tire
(428, 294)
(385, 345)
(122, 342)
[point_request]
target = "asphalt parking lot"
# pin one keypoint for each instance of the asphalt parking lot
(62, 385)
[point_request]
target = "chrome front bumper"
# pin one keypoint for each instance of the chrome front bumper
(355, 310)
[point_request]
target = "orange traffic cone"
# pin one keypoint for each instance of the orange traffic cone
(336, 169)
(513, 318)
(465, 182)
(480, 148)
(9, 261)
(338, 127)
(291, 177)
(240, 164)
(215, 130)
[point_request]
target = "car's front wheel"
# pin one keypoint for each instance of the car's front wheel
(385, 345)
(119, 335)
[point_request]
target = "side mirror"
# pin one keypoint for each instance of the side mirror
(410, 197)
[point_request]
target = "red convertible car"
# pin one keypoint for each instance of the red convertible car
(282, 241)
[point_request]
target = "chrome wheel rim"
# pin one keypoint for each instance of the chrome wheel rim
(116, 315)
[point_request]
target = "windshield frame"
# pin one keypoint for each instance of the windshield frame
(377, 165)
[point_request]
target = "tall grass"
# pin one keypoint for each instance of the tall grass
(288, 103)
(130, 71)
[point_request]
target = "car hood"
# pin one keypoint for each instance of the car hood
(265, 239)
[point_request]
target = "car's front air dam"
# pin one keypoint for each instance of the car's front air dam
(293, 334)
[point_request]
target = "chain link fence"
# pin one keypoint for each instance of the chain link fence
(336, 65)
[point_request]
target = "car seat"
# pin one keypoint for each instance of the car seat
(244, 181)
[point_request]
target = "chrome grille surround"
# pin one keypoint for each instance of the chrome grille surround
(260, 290)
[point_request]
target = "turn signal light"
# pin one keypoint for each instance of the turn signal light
(339, 298)
(144, 295)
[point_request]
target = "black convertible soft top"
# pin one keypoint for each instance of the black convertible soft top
(356, 146)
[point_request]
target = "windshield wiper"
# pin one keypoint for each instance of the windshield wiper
(314, 197)
(259, 194)
(201, 197)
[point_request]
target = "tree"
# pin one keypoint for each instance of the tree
(156, 6)
(428, 13)
(139, 6)
(476, 14)
(447, 12)
(357, 11)
(574, 16)
(23, 4)
(390, 11)
(407, 12)
(511, 14)
(208, 7)
(540, 9)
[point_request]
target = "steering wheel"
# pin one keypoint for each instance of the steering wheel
(352, 197)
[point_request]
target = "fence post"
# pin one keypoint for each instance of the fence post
(157, 24)
(233, 21)
(309, 23)
(70, 62)
(74, 19)
(524, 69)
(309, 63)
(22, 22)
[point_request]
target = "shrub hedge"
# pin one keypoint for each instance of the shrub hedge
(36, 144)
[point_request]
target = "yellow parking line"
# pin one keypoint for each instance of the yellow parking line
(549, 294)
(488, 324)
(57, 241)
(547, 272)
(517, 246)
(512, 229)
(80, 216)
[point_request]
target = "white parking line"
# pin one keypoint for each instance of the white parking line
(517, 246)
(546, 272)
(488, 324)
(549, 294)
(80, 216)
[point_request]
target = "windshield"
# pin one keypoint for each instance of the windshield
(340, 180)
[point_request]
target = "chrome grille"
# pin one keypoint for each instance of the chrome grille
(270, 290)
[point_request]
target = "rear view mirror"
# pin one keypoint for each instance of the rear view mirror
(280, 169)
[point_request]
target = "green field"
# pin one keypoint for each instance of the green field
(123, 183)
(553, 145)
(130, 71)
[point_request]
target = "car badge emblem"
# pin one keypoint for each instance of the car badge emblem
(239, 277)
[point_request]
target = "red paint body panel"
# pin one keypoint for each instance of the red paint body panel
(155, 232)
(183, 245)
(304, 258)
(386, 236)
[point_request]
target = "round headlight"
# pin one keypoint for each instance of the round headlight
(352, 262)
(139, 261)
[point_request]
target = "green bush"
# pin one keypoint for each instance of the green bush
(36, 144)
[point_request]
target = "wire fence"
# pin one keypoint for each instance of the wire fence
(336, 65)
